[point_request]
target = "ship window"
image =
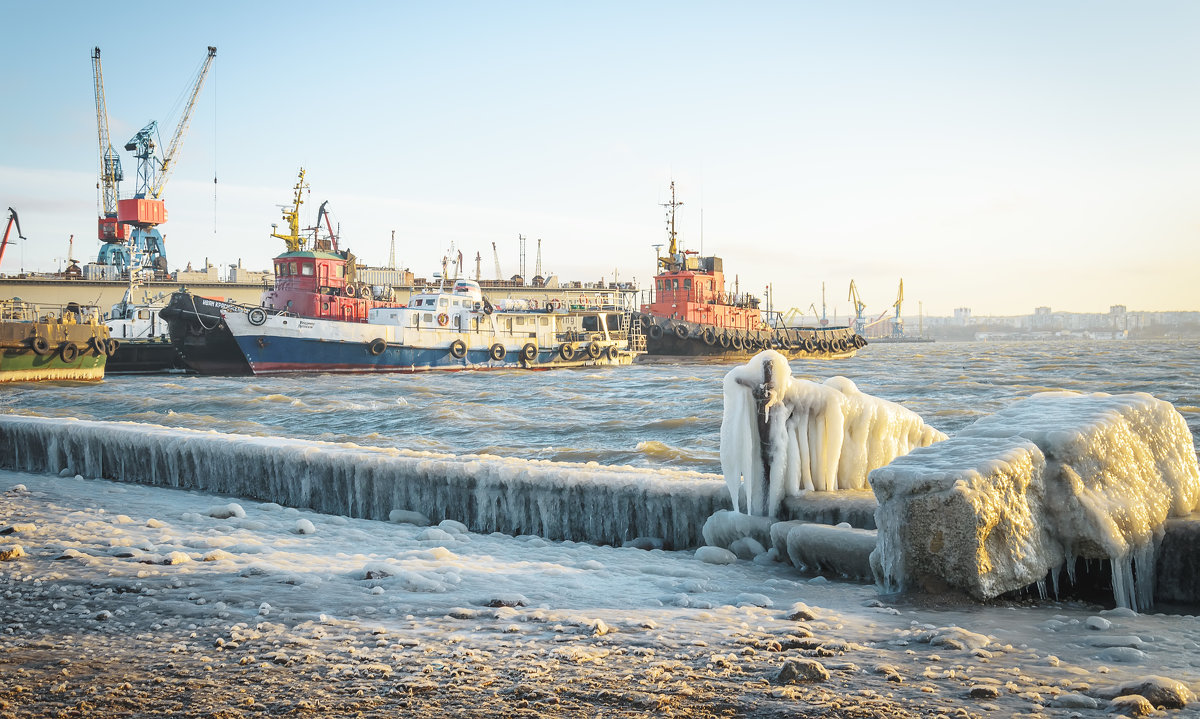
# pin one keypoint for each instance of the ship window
(443, 303)
(674, 284)
(291, 268)
(341, 270)
(545, 322)
(520, 320)
(591, 323)
(687, 284)
(306, 269)
(143, 314)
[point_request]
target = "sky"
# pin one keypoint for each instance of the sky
(996, 156)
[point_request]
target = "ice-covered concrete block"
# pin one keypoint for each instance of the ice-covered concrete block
(1117, 466)
(967, 513)
(1049, 479)
(781, 435)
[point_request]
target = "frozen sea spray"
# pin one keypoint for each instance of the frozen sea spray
(781, 435)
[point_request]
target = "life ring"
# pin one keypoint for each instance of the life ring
(111, 347)
(69, 351)
(655, 331)
(377, 346)
(681, 330)
(529, 352)
(497, 352)
(40, 345)
(555, 304)
(533, 304)
(350, 291)
(443, 319)
(709, 336)
(256, 316)
(566, 351)
(458, 349)
(593, 349)
(724, 340)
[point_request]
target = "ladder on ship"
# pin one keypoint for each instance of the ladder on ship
(633, 330)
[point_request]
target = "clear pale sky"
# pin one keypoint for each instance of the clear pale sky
(998, 156)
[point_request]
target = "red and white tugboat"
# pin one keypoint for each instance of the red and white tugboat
(691, 313)
(313, 278)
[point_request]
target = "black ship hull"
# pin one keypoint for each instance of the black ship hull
(199, 334)
(145, 356)
(666, 337)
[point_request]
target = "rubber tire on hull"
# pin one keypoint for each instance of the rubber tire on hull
(497, 352)
(655, 332)
(458, 349)
(377, 346)
(681, 331)
(593, 350)
(566, 351)
(69, 352)
(39, 345)
(709, 336)
(529, 352)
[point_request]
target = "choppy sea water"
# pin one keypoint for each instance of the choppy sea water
(660, 414)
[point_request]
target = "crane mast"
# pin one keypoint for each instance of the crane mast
(496, 257)
(108, 229)
(293, 240)
(168, 161)
(897, 323)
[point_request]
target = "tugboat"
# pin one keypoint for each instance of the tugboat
(690, 314)
(312, 279)
(456, 329)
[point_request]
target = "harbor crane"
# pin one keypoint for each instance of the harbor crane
(108, 230)
(145, 210)
(897, 323)
(12, 220)
(860, 325)
(496, 257)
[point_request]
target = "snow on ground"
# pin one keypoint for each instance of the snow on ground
(134, 600)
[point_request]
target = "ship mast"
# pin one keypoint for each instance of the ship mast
(671, 261)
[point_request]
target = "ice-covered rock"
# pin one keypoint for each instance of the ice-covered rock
(837, 551)
(781, 435)
(1049, 479)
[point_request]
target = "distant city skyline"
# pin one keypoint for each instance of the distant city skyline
(1000, 156)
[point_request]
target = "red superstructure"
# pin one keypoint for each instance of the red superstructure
(693, 289)
(317, 283)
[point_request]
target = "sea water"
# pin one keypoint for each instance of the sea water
(655, 414)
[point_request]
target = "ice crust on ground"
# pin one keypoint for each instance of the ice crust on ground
(822, 437)
(556, 500)
(502, 625)
(1048, 479)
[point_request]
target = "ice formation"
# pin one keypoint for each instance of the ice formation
(781, 435)
(1047, 480)
(555, 500)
